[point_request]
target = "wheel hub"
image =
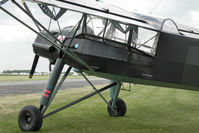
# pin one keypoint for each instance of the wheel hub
(118, 110)
(27, 119)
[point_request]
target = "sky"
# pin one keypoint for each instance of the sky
(16, 40)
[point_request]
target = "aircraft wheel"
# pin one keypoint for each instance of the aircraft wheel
(120, 109)
(30, 118)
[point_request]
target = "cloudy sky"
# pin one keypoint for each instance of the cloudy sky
(16, 40)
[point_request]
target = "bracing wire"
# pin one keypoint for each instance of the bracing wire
(58, 24)
(50, 23)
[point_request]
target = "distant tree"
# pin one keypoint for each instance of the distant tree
(15, 71)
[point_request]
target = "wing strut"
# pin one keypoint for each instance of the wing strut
(28, 10)
(36, 58)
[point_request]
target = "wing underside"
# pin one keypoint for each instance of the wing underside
(99, 9)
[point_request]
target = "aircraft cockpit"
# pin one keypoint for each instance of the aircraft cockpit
(118, 34)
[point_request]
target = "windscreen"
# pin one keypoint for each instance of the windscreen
(108, 29)
(127, 35)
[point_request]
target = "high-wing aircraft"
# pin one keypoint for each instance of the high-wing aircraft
(111, 43)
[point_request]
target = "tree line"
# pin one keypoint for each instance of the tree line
(16, 71)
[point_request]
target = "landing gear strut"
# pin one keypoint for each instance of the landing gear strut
(30, 117)
(116, 106)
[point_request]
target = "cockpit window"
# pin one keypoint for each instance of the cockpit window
(168, 25)
(112, 30)
(117, 31)
(95, 25)
(145, 40)
(125, 35)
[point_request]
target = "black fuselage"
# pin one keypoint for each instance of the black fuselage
(175, 60)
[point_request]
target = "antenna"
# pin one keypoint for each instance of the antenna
(154, 7)
(99, 0)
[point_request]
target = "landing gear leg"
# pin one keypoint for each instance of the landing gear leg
(30, 117)
(117, 106)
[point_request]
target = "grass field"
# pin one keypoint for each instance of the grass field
(149, 110)
(26, 78)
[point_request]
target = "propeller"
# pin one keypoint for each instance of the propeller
(35, 61)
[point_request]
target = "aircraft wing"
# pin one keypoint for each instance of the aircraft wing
(158, 21)
(115, 13)
(98, 9)
(188, 29)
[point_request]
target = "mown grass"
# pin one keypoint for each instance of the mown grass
(21, 78)
(150, 110)
(26, 78)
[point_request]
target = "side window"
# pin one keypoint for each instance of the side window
(145, 40)
(169, 25)
(95, 25)
(117, 31)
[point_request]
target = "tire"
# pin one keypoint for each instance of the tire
(30, 118)
(120, 109)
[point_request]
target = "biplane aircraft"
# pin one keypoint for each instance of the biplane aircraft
(111, 43)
